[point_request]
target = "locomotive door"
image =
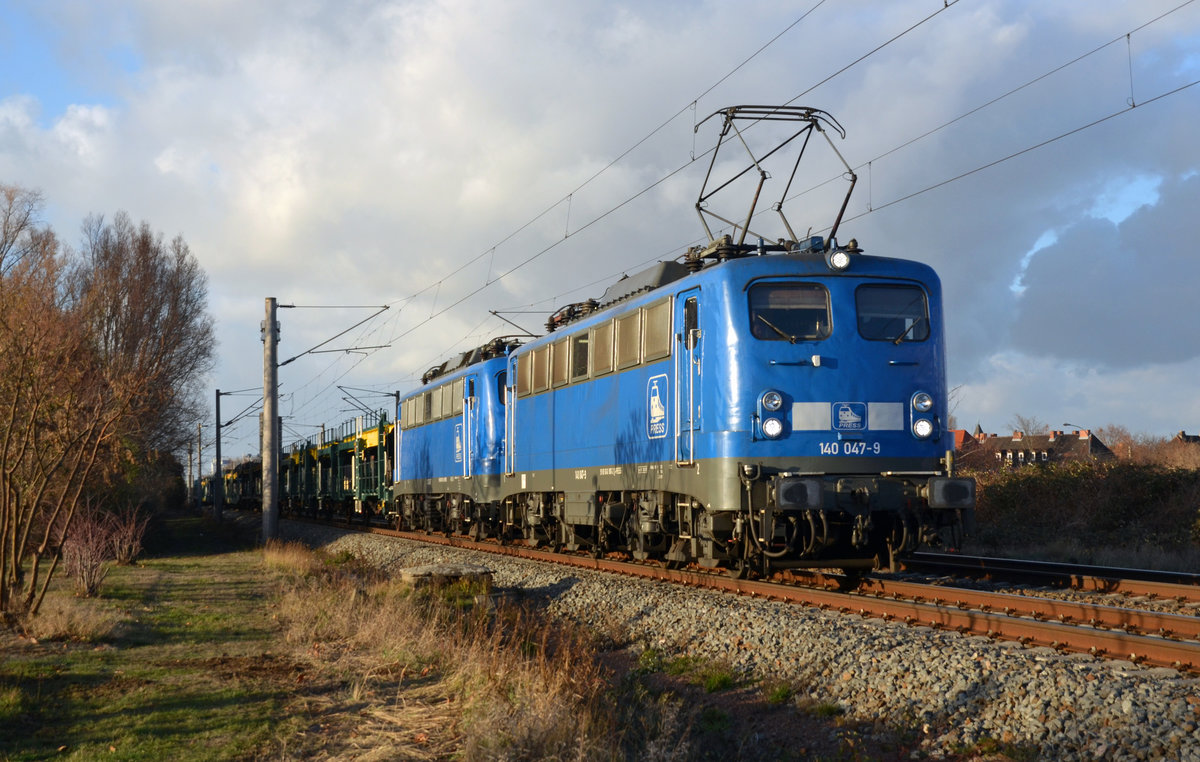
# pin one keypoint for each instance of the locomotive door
(687, 375)
(470, 426)
(510, 418)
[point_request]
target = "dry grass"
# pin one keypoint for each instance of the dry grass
(290, 558)
(64, 617)
(428, 677)
(433, 674)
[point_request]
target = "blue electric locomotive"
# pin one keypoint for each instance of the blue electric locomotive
(759, 407)
(765, 412)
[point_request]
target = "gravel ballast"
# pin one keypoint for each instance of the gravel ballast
(956, 689)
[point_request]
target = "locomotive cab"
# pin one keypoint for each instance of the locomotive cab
(835, 411)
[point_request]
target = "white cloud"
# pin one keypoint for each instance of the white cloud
(1143, 399)
(357, 152)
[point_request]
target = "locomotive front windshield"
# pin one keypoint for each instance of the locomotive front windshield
(892, 312)
(789, 312)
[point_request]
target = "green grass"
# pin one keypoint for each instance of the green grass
(713, 676)
(778, 693)
(828, 709)
(187, 672)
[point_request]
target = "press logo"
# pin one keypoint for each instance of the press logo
(849, 416)
(656, 409)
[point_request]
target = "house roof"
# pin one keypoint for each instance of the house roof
(962, 439)
(1074, 444)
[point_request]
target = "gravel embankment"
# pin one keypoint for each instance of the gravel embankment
(957, 689)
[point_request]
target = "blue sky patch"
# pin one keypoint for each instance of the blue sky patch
(31, 64)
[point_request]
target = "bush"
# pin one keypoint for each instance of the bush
(778, 692)
(87, 549)
(97, 538)
(128, 527)
(1103, 505)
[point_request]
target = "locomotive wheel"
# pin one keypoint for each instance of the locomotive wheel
(635, 541)
(738, 569)
(597, 549)
(557, 538)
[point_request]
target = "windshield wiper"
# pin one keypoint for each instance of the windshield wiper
(908, 330)
(791, 339)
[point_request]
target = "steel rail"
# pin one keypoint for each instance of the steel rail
(1167, 625)
(1181, 586)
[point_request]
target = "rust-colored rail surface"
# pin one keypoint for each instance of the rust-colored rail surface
(1177, 626)
(1144, 637)
(1179, 586)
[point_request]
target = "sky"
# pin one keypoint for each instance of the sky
(449, 159)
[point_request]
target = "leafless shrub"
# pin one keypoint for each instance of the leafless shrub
(127, 529)
(87, 549)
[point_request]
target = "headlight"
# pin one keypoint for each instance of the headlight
(922, 428)
(772, 427)
(922, 402)
(838, 259)
(772, 401)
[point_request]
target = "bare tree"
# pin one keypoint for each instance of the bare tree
(19, 231)
(128, 527)
(952, 399)
(1028, 424)
(146, 304)
(1120, 440)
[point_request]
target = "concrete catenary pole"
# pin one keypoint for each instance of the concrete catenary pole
(199, 465)
(191, 484)
(219, 495)
(270, 445)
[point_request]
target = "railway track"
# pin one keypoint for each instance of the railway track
(1113, 632)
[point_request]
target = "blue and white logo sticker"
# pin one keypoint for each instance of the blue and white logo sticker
(849, 416)
(656, 408)
(458, 443)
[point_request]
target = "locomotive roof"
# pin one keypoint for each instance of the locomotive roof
(632, 288)
(665, 273)
(654, 277)
(498, 347)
